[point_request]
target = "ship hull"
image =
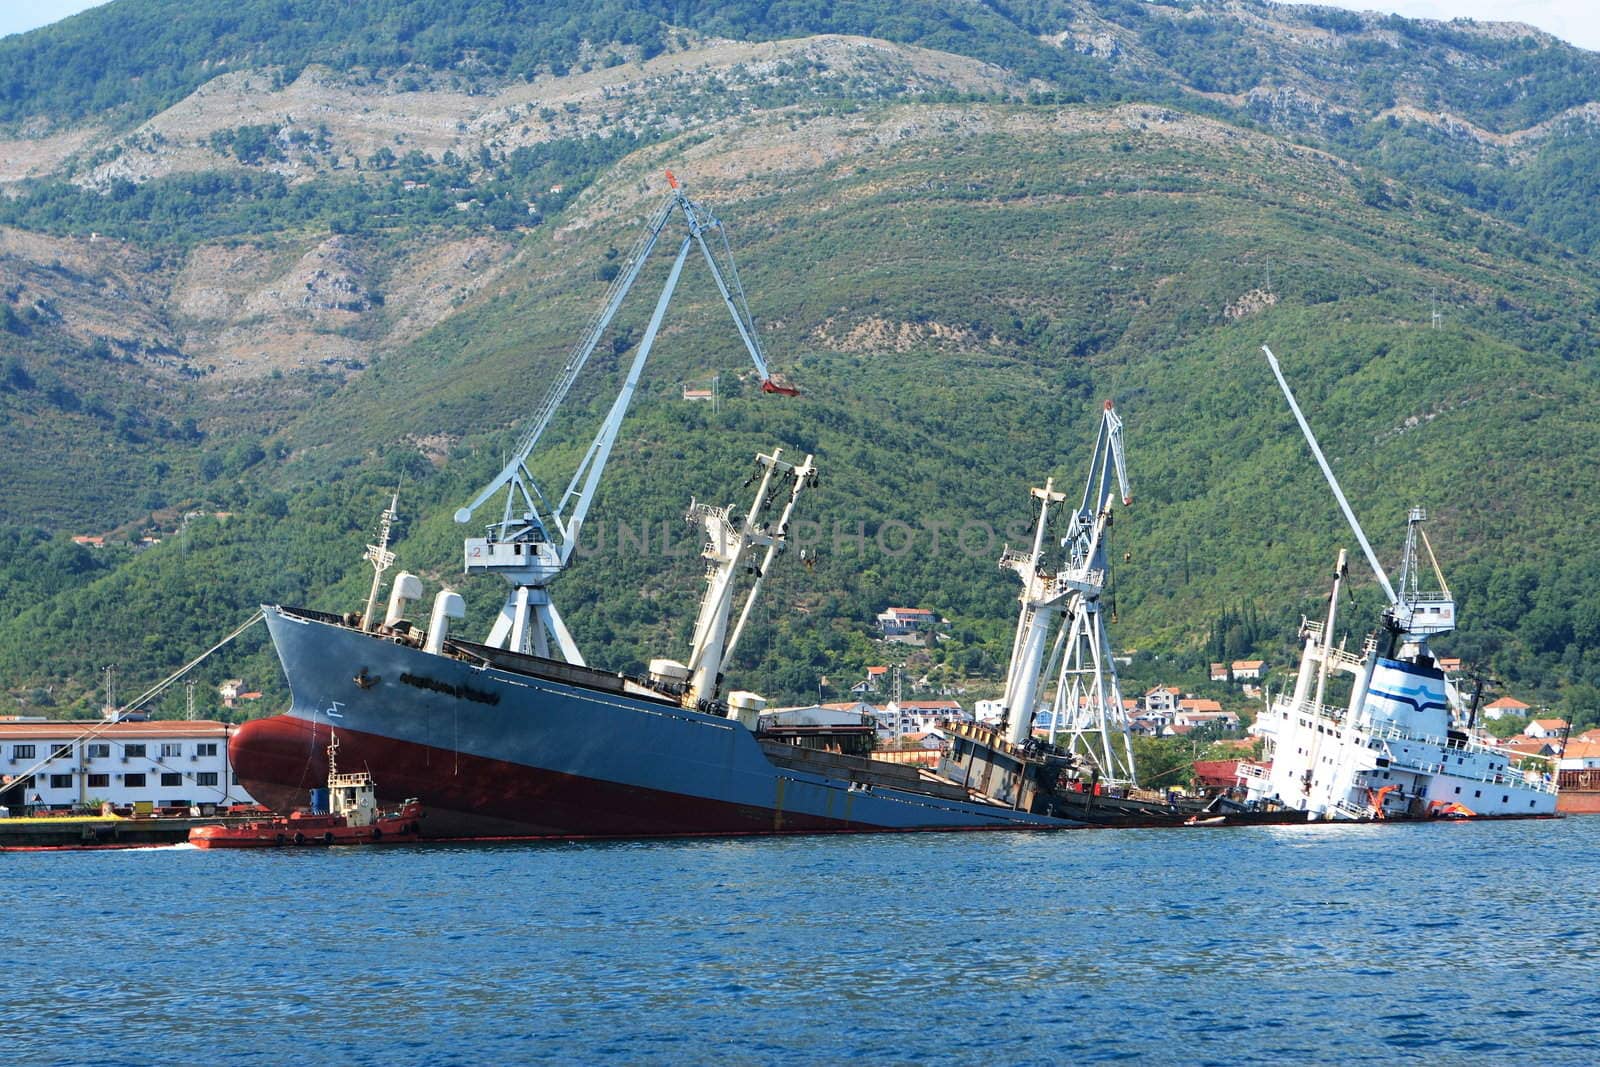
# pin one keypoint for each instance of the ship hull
(497, 753)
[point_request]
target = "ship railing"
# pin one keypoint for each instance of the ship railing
(1253, 771)
(1338, 658)
(1345, 809)
(1505, 776)
(1336, 713)
(1012, 557)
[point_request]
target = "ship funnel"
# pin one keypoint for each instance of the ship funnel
(447, 605)
(407, 587)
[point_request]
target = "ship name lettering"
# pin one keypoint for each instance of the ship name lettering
(464, 692)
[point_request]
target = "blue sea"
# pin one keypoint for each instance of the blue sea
(1439, 943)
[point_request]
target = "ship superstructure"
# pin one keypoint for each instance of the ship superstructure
(1393, 749)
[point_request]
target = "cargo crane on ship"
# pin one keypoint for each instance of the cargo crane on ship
(1066, 599)
(1394, 749)
(533, 540)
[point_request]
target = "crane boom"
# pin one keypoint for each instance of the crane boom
(515, 469)
(1413, 614)
(1333, 483)
(532, 542)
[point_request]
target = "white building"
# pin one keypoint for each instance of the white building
(906, 623)
(170, 764)
(1163, 698)
(1503, 707)
(1247, 670)
(899, 718)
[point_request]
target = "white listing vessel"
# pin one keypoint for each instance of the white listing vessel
(1394, 750)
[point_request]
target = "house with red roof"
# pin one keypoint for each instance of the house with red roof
(1503, 707)
(1247, 670)
(1162, 698)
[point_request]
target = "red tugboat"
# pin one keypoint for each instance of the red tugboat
(352, 818)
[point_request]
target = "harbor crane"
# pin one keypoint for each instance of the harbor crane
(1087, 697)
(1413, 614)
(533, 539)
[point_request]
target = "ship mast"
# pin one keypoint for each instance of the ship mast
(728, 543)
(381, 559)
(534, 538)
(1087, 694)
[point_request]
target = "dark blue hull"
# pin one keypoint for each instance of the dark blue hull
(492, 751)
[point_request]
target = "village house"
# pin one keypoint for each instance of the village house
(1247, 670)
(1505, 706)
(1545, 728)
(873, 682)
(1580, 756)
(1162, 698)
(1522, 746)
(901, 717)
(906, 624)
(1219, 672)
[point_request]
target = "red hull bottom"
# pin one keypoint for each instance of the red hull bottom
(279, 760)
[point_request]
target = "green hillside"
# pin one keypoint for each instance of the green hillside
(956, 281)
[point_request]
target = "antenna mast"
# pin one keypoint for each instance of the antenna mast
(381, 559)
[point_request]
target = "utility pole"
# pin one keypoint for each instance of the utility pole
(110, 710)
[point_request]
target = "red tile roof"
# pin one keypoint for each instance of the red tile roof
(63, 729)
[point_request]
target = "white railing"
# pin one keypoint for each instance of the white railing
(1254, 771)
(1350, 811)
(1334, 713)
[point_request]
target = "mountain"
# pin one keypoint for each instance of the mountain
(268, 263)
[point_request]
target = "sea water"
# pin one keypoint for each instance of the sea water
(1375, 943)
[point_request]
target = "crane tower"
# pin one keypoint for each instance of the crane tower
(535, 534)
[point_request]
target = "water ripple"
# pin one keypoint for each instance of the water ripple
(1469, 943)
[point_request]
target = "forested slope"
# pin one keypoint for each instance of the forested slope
(958, 251)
